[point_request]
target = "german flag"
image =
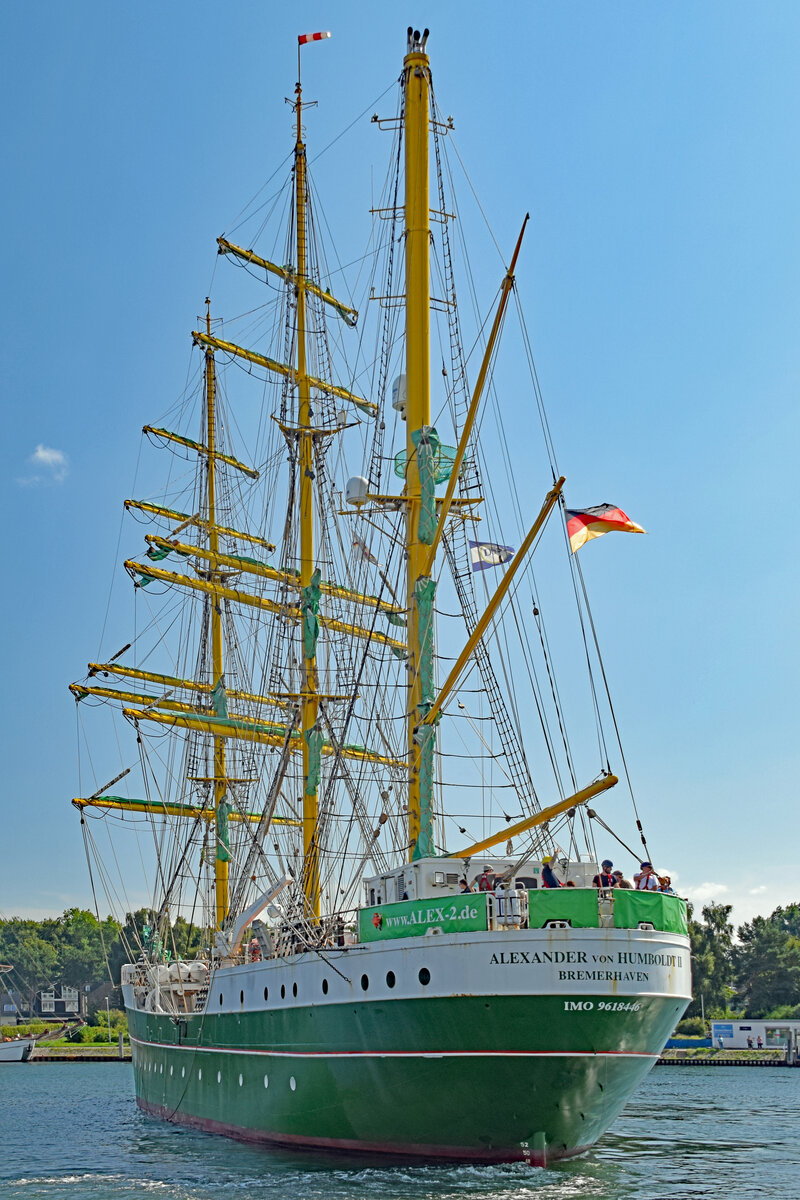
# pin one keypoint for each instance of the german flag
(587, 523)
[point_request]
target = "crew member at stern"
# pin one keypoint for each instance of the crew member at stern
(549, 877)
(605, 879)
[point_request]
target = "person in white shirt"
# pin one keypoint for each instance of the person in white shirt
(646, 879)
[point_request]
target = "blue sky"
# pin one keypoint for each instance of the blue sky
(656, 149)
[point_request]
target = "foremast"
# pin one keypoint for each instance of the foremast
(420, 444)
(221, 807)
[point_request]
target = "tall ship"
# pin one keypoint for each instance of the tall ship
(354, 822)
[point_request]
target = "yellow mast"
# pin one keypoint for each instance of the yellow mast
(217, 665)
(416, 77)
(309, 702)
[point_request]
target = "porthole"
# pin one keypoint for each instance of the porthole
(324, 987)
(199, 1074)
(161, 1069)
(283, 991)
(183, 1072)
(266, 1081)
(294, 989)
(266, 993)
(364, 982)
(219, 1076)
(171, 1070)
(241, 997)
(241, 1080)
(220, 999)
(390, 979)
(424, 976)
(292, 1082)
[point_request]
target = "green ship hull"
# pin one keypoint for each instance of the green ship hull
(496, 1076)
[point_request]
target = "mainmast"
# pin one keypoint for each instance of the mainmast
(420, 587)
(309, 703)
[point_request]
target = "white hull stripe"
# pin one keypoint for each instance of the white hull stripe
(399, 1053)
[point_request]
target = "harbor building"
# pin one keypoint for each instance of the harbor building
(733, 1035)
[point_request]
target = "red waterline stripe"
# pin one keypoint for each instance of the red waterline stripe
(402, 1053)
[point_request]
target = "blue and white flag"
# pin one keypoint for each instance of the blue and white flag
(489, 554)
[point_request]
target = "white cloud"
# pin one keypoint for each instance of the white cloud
(53, 466)
(758, 891)
(702, 893)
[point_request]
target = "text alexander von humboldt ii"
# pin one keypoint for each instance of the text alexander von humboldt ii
(624, 966)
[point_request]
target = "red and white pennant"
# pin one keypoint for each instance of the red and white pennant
(303, 38)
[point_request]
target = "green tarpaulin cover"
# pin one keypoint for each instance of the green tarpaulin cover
(309, 606)
(315, 739)
(425, 737)
(576, 905)
(223, 836)
(427, 443)
(424, 593)
(667, 913)
(219, 700)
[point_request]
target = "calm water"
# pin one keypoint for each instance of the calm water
(73, 1131)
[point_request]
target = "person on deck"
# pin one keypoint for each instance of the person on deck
(464, 886)
(622, 882)
(666, 885)
(486, 880)
(605, 879)
(549, 878)
(646, 879)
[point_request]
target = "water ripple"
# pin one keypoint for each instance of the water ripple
(688, 1134)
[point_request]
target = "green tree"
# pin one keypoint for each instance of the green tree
(787, 919)
(767, 963)
(185, 938)
(34, 959)
(712, 959)
(83, 944)
(127, 947)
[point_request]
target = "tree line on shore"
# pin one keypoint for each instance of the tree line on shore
(756, 972)
(77, 950)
